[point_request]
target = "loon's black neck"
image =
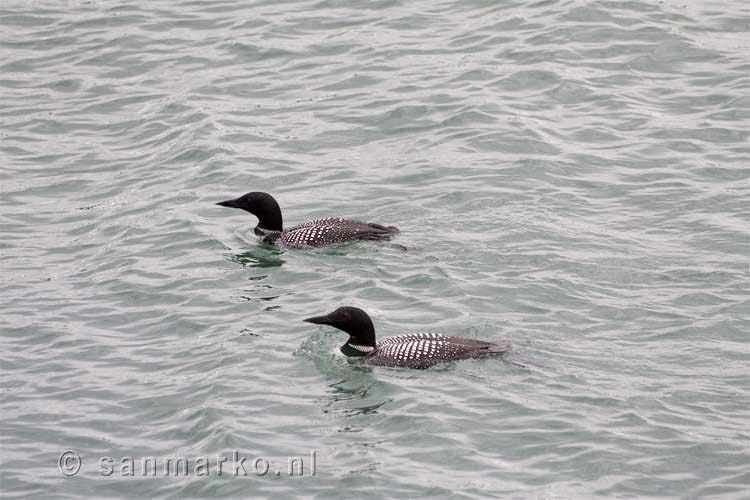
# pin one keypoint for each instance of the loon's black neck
(269, 219)
(361, 336)
(361, 333)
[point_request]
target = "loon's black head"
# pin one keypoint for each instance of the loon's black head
(356, 323)
(261, 205)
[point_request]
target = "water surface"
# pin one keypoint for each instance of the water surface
(568, 175)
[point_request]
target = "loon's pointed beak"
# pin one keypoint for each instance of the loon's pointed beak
(229, 203)
(318, 320)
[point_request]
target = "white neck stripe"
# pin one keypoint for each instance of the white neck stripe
(363, 348)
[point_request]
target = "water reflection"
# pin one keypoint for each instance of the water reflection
(353, 388)
(260, 257)
(355, 395)
(260, 292)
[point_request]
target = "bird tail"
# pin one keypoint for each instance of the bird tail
(499, 347)
(385, 229)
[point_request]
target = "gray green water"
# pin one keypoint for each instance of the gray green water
(568, 175)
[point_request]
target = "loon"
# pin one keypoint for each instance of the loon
(415, 350)
(314, 233)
